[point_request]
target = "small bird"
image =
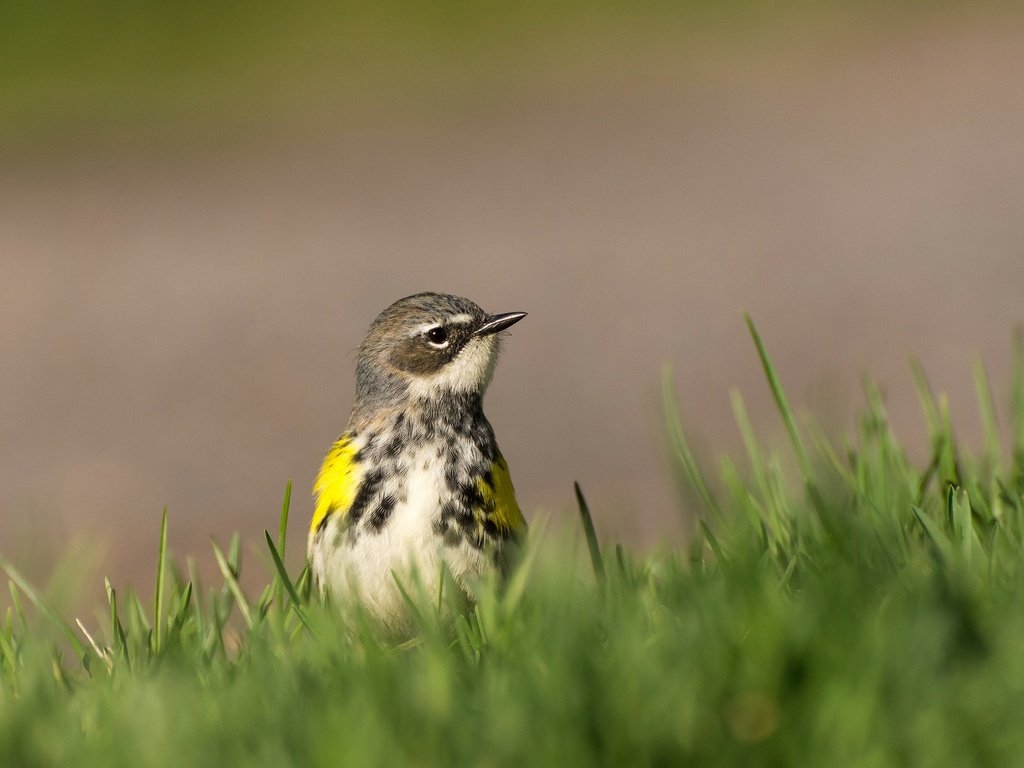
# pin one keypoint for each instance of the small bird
(416, 479)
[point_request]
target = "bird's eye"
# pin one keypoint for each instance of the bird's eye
(437, 336)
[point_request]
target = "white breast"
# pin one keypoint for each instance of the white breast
(407, 544)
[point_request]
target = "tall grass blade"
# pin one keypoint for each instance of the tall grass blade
(285, 581)
(180, 611)
(951, 461)
(282, 528)
(411, 605)
(750, 442)
(231, 580)
(7, 651)
(116, 628)
(926, 397)
(1017, 400)
(590, 534)
(780, 399)
(681, 446)
(137, 618)
(198, 615)
(712, 540)
(158, 599)
(987, 409)
(19, 609)
(516, 585)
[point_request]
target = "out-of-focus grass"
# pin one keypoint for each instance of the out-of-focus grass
(72, 68)
(856, 611)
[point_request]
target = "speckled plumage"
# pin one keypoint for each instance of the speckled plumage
(417, 478)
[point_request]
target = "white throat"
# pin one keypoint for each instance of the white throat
(470, 371)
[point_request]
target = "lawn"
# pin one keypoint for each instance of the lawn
(836, 604)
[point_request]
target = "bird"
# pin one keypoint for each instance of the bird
(416, 483)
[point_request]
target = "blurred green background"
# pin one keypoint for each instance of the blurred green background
(177, 69)
(165, 68)
(203, 205)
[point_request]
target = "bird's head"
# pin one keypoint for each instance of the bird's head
(428, 346)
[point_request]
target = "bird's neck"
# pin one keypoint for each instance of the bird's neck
(448, 406)
(378, 392)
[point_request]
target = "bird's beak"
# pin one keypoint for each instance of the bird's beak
(499, 322)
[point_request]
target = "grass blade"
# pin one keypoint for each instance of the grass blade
(1017, 399)
(681, 447)
(232, 583)
(7, 651)
(282, 539)
(590, 534)
(116, 629)
(137, 618)
(26, 589)
(940, 543)
(987, 408)
(926, 396)
(712, 540)
(180, 612)
(780, 399)
(286, 582)
(158, 600)
(282, 530)
(516, 585)
(19, 610)
(754, 455)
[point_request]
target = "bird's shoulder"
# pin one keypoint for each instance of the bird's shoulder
(499, 496)
(337, 481)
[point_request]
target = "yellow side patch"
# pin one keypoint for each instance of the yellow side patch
(502, 497)
(336, 483)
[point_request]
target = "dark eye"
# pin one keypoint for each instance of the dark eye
(437, 335)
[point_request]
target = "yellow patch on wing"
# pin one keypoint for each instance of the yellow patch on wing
(336, 483)
(500, 498)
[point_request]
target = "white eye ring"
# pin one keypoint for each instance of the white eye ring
(437, 336)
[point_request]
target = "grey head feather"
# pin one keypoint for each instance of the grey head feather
(394, 352)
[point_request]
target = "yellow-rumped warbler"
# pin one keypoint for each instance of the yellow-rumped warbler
(416, 479)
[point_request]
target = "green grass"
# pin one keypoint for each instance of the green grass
(858, 610)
